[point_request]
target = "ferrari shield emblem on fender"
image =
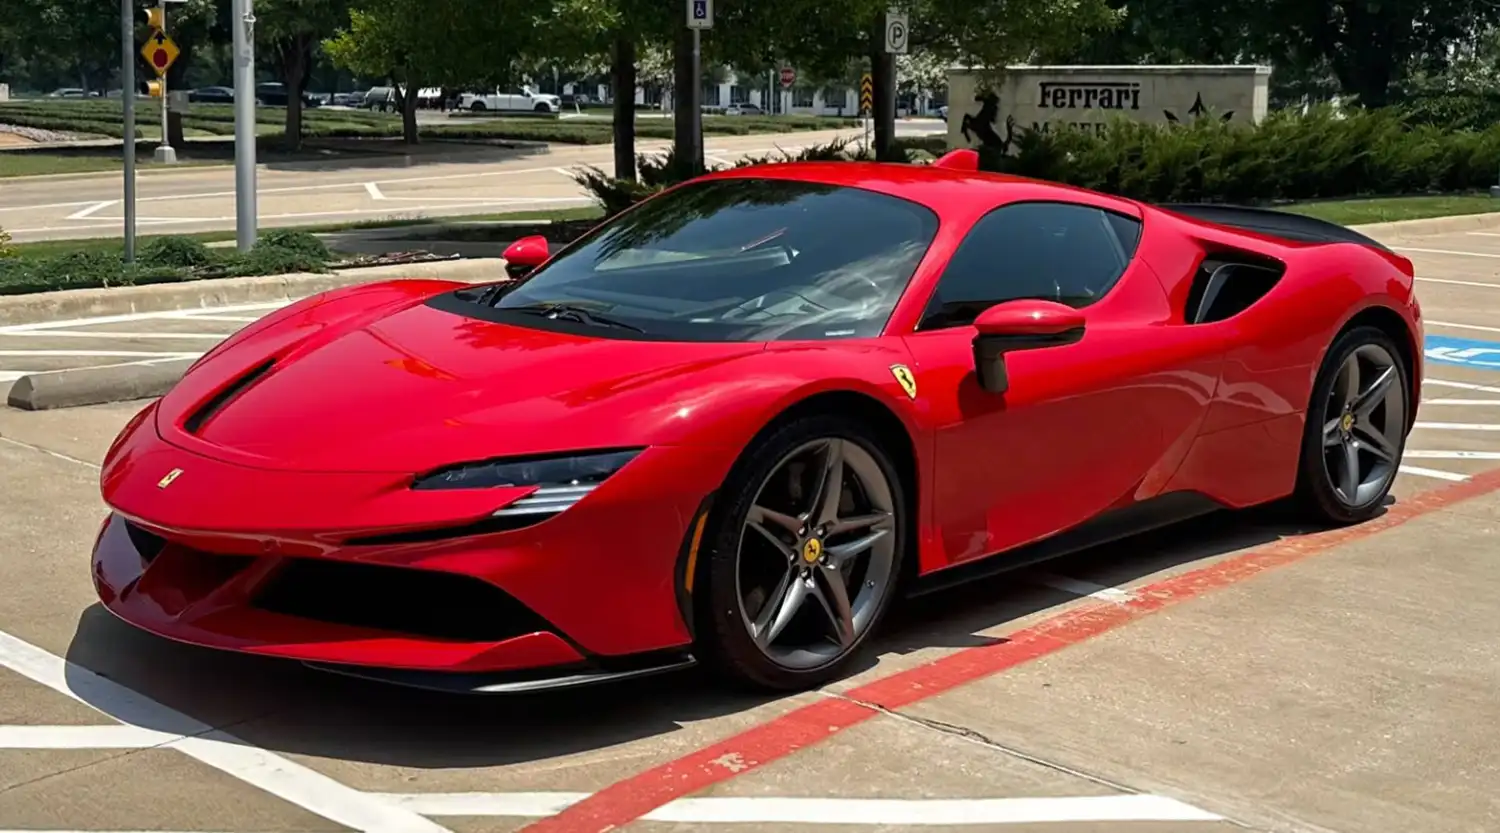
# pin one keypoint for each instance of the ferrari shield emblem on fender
(904, 377)
(167, 481)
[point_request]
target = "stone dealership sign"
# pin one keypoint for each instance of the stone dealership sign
(1088, 97)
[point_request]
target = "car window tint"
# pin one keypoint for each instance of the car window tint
(741, 259)
(1063, 252)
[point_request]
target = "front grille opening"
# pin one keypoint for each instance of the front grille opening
(421, 603)
(196, 420)
(488, 526)
(148, 544)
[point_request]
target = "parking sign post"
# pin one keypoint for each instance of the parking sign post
(242, 21)
(700, 16)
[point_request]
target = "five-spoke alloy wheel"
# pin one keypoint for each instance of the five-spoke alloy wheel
(806, 553)
(1356, 429)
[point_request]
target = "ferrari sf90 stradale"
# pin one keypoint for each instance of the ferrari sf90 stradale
(733, 423)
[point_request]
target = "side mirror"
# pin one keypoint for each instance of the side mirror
(1020, 325)
(525, 255)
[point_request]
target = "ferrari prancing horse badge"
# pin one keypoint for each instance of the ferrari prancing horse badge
(907, 381)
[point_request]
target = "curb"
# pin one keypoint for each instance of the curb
(94, 385)
(164, 297)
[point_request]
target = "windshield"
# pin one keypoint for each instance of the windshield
(735, 260)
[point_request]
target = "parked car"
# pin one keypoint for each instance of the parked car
(524, 99)
(274, 94)
(211, 95)
(380, 98)
(746, 109)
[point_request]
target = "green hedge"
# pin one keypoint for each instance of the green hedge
(1321, 155)
(162, 260)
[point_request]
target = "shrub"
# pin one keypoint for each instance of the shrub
(272, 260)
(293, 243)
(6, 249)
(175, 252)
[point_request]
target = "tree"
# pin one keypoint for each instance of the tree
(453, 43)
(619, 34)
(1367, 47)
(293, 32)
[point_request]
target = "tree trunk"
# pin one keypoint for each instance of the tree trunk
(177, 80)
(622, 78)
(296, 59)
(687, 136)
(409, 112)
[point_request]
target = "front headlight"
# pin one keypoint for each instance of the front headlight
(563, 480)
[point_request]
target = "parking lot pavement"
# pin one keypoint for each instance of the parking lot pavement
(1231, 673)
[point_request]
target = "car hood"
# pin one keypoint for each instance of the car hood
(421, 387)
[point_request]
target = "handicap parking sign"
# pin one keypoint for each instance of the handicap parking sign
(1464, 352)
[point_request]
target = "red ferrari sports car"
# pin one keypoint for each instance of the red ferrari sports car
(733, 423)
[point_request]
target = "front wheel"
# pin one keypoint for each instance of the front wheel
(806, 550)
(1356, 429)
(477, 107)
(542, 108)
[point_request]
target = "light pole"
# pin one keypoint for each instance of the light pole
(243, 23)
(127, 99)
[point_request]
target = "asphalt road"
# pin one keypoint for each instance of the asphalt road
(1228, 675)
(446, 181)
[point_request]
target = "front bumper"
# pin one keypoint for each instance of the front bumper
(593, 593)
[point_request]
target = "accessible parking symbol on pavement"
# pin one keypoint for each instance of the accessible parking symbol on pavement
(1464, 352)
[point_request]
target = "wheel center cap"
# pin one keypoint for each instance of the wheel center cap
(1347, 423)
(812, 550)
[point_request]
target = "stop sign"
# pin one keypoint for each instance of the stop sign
(788, 77)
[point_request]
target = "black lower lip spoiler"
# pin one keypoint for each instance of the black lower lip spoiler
(503, 682)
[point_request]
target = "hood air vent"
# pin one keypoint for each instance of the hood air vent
(195, 422)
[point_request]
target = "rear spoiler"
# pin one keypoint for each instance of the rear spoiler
(1273, 223)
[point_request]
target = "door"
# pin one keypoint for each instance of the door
(1085, 427)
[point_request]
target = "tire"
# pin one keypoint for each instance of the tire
(1321, 485)
(742, 579)
(542, 108)
(477, 107)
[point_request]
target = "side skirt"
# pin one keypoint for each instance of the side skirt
(1114, 525)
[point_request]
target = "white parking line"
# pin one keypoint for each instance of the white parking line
(1461, 283)
(82, 737)
(1451, 455)
(894, 812)
(66, 323)
(1461, 402)
(374, 191)
(1458, 326)
(102, 334)
(85, 213)
(1445, 252)
(1457, 426)
(277, 775)
(90, 353)
(1444, 383)
(1435, 474)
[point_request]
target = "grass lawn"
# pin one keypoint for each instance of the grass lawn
(1390, 209)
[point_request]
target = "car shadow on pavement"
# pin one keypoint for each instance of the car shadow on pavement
(283, 706)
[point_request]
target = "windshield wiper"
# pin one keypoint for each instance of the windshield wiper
(569, 312)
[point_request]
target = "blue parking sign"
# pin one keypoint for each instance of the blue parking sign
(1463, 352)
(700, 14)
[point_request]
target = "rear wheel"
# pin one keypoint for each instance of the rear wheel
(1356, 428)
(806, 550)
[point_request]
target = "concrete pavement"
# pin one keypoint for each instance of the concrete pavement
(463, 179)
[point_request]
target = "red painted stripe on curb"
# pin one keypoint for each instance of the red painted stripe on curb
(628, 800)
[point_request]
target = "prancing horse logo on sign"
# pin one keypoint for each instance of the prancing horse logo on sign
(167, 481)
